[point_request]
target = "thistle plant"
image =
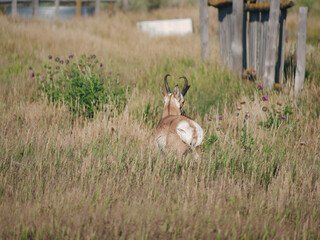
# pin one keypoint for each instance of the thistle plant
(276, 117)
(82, 85)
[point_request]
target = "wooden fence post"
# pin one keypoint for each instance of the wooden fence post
(97, 8)
(14, 9)
(57, 5)
(263, 41)
(281, 49)
(78, 8)
(271, 49)
(245, 41)
(301, 52)
(126, 5)
(35, 8)
(253, 41)
(204, 29)
(237, 44)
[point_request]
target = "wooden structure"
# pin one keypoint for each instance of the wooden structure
(301, 52)
(57, 5)
(204, 29)
(245, 35)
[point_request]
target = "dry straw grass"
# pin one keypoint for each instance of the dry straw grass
(103, 179)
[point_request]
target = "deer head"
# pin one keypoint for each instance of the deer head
(173, 102)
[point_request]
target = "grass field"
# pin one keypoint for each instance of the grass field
(69, 177)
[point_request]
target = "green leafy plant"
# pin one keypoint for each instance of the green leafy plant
(276, 117)
(246, 139)
(81, 85)
(209, 141)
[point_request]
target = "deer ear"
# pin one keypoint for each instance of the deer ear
(163, 92)
(176, 92)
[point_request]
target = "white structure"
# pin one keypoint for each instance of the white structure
(166, 27)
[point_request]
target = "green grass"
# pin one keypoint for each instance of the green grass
(69, 177)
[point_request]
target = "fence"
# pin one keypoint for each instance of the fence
(257, 38)
(56, 11)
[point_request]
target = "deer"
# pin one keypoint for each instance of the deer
(175, 131)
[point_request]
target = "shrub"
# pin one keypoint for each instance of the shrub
(81, 85)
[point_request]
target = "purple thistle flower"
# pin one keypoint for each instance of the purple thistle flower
(247, 115)
(67, 61)
(32, 74)
(84, 71)
(265, 98)
(71, 55)
(283, 118)
(57, 67)
(220, 117)
(260, 87)
(286, 39)
(50, 57)
(101, 65)
(244, 150)
(61, 61)
(71, 75)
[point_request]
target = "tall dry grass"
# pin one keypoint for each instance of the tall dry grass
(102, 178)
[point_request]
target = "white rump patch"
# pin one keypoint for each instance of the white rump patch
(185, 132)
(200, 134)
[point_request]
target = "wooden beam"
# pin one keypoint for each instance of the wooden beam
(281, 49)
(57, 5)
(204, 29)
(271, 48)
(125, 5)
(253, 39)
(219, 3)
(301, 52)
(237, 40)
(35, 8)
(97, 8)
(14, 9)
(78, 8)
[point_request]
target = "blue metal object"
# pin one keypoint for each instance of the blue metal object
(49, 12)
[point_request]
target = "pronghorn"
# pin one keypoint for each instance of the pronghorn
(176, 131)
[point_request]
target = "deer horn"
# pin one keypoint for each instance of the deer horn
(185, 87)
(166, 83)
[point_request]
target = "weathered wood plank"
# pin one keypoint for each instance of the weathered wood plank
(301, 52)
(35, 8)
(237, 44)
(14, 12)
(222, 36)
(229, 35)
(204, 29)
(271, 46)
(245, 41)
(283, 32)
(78, 8)
(253, 39)
(281, 48)
(97, 8)
(125, 5)
(57, 4)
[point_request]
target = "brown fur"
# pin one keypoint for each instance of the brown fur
(171, 117)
